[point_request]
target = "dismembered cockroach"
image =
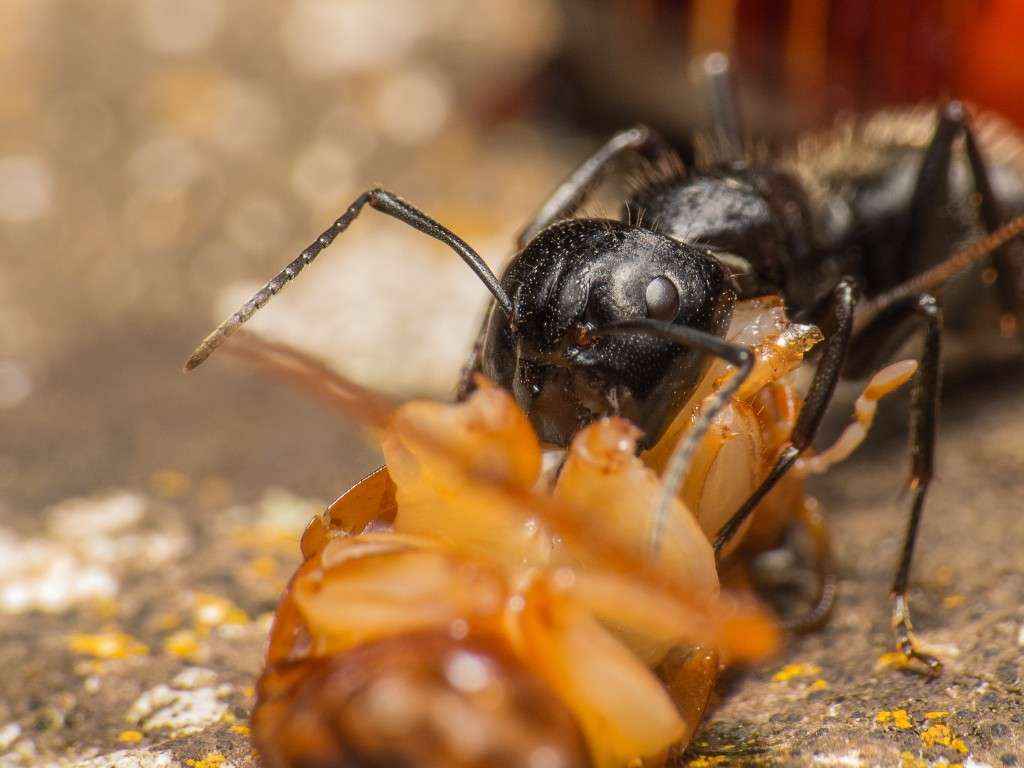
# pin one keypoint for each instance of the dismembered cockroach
(463, 606)
(673, 334)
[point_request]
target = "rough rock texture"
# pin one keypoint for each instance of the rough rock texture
(142, 553)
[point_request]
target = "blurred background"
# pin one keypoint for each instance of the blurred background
(160, 159)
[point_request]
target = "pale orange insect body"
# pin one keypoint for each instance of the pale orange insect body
(475, 602)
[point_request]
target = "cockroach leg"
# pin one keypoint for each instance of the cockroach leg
(689, 674)
(886, 381)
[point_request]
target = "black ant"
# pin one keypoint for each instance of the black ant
(597, 317)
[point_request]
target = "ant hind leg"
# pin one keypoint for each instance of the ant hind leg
(929, 199)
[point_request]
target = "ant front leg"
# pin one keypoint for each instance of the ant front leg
(887, 330)
(572, 192)
(839, 326)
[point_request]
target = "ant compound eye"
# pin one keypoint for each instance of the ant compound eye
(662, 299)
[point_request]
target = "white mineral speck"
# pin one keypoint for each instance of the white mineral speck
(79, 517)
(194, 677)
(182, 712)
(849, 760)
(8, 735)
(128, 758)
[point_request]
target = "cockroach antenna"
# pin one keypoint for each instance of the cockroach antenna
(383, 201)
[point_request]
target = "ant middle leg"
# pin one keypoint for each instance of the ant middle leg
(887, 330)
(571, 193)
(839, 326)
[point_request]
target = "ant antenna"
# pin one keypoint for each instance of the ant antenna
(941, 272)
(385, 202)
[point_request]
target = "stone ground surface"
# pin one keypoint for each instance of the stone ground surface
(144, 545)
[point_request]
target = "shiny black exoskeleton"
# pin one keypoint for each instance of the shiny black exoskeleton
(855, 243)
(577, 277)
(596, 317)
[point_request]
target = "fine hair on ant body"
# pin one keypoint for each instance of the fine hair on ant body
(597, 317)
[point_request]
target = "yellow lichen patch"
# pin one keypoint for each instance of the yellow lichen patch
(892, 660)
(791, 671)
(240, 729)
(184, 643)
(907, 760)
(818, 685)
(707, 762)
(897, 718)
(170, 483)
(937, 715)
(211, 760)
(107, 645)
(953, 601)
(941, 734)
(212, 611)
(129, 737)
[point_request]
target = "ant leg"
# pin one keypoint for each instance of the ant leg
(726, 121)
(931, 194)
(383, 201)
(877, 339)
(810, 517)
(570, 194)
(830, 366)
(1008, 260)
(931, 189)
(736, 355)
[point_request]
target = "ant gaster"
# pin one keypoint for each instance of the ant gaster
(596, 317)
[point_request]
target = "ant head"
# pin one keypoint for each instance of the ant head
(573, 280)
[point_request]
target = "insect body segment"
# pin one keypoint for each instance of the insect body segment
(853, 233)
(667, 347)
(476, 579)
